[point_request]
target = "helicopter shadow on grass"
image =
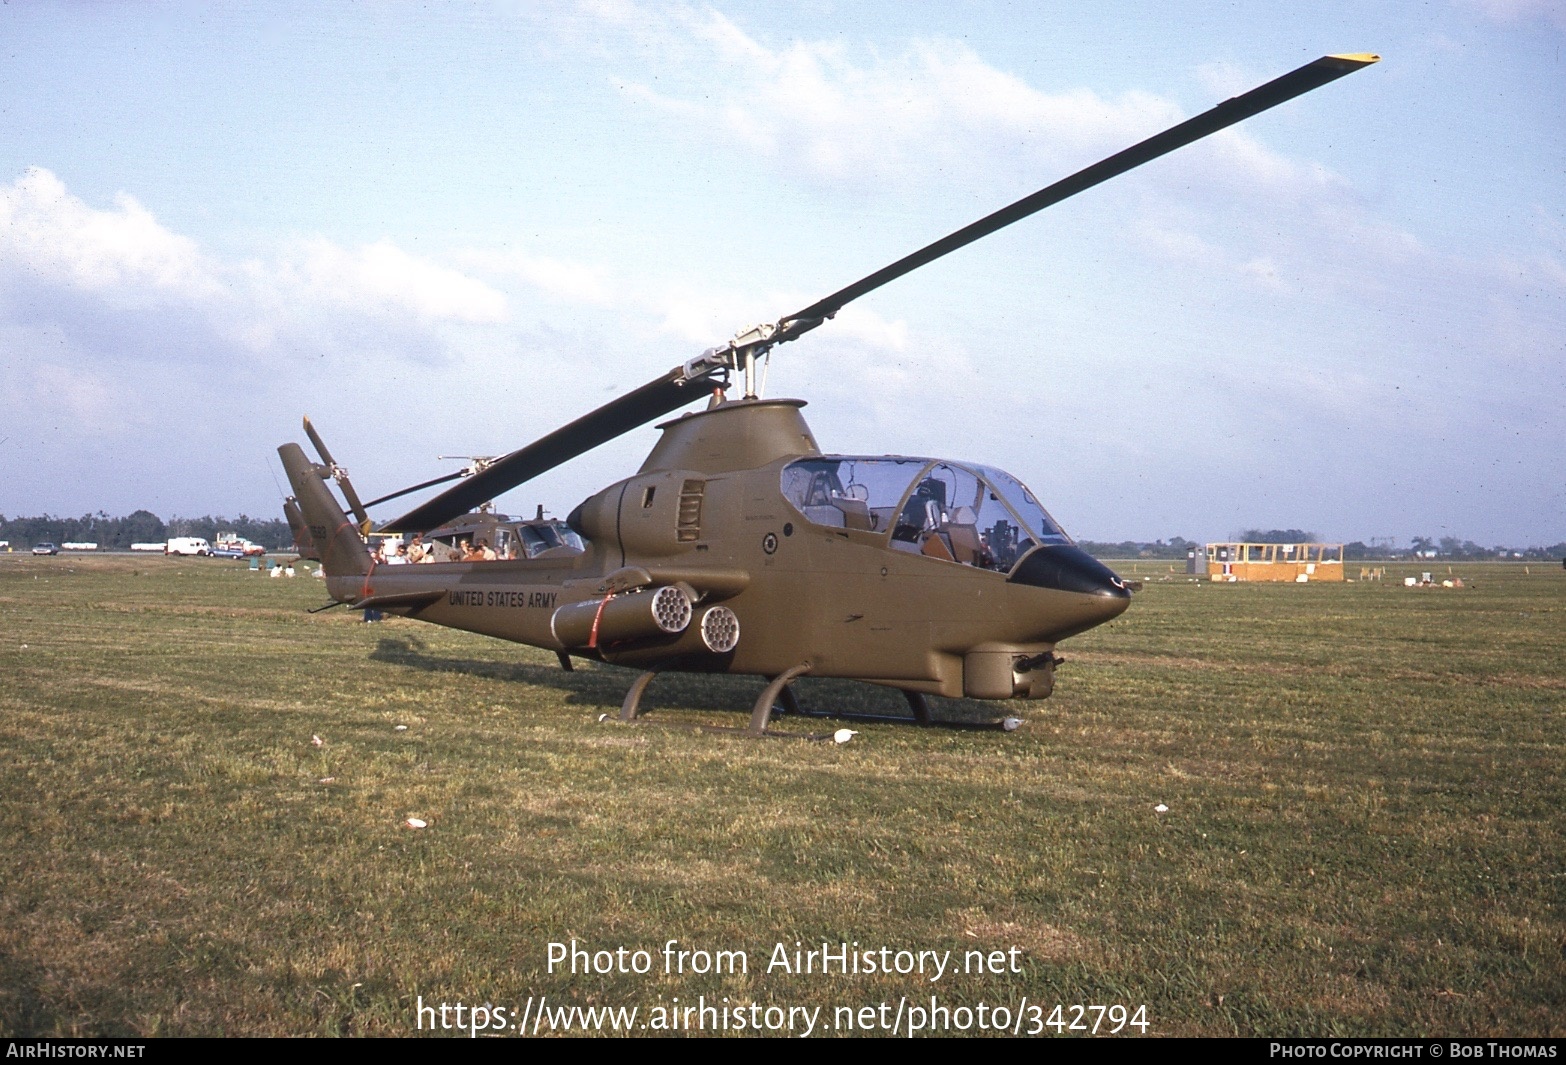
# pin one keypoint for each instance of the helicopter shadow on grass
(602, 687)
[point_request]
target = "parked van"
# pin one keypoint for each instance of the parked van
(187, 545)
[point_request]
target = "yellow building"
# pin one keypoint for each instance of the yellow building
(1275, 562)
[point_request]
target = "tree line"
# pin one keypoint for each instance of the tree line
(145, 527)
(140, 527)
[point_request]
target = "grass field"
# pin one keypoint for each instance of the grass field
(1365, 834)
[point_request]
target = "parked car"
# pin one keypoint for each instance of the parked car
(231, 545)
(45, 548)
(187, 545)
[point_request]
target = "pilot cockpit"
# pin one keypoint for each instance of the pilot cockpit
(970, 515)
(546, 539)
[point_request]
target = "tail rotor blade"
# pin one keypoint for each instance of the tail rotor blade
(339, 474)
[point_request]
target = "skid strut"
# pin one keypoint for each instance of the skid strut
(770, 695)
(632, 707)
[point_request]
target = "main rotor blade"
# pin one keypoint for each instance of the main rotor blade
(399, 493)
(670, 392)
(681, 385)
(1310, 76)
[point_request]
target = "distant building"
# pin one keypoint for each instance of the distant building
(1299, 563)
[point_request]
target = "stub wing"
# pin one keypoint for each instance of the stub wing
(411, 601)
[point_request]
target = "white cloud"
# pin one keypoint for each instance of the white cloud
(884, 118)
(382, 278)
(1244, 163)
(97, 272)
(126, 255)
(121, 253)
(119, 326)
(1511, 12)
(934, 109)
(870, 329)
(936, 116)
(709, 317)
(572, 282)
(80, 392)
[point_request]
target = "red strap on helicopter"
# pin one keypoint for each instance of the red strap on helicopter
(367, 576)
(592, 637)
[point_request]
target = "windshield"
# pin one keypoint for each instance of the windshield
(971, 515)
(537, 539)
(1024, 505)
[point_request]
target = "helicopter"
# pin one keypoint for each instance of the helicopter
(740, 547)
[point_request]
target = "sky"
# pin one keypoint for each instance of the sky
(449, 228)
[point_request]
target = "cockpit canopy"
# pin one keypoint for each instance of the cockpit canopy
(971, 515)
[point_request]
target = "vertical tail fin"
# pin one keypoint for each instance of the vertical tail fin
(334, 535)
(304, 543)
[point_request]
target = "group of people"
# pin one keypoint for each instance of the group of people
(478, 551)
(406, 552)
(416, 551)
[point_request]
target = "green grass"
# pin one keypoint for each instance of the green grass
(1365, 831)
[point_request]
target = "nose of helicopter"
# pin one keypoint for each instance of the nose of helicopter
(1064, 568)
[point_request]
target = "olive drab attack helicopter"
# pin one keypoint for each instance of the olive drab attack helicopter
(739, 546)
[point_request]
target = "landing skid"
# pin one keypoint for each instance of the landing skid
(893, 719)
(779, 698)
